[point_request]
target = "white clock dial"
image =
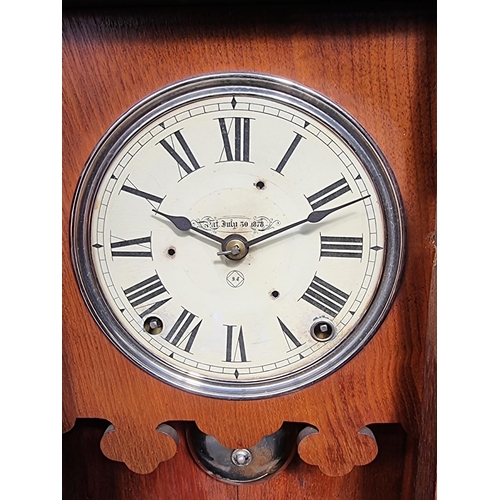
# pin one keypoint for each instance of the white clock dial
(238, 236)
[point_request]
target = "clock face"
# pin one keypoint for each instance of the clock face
(238, 236)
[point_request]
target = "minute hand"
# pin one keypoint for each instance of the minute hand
(316, 216)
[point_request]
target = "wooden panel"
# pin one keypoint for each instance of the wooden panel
(381, 68)
(87, 474)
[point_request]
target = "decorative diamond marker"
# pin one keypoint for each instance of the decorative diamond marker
(233, 102)
(236, 373)
(235, 279)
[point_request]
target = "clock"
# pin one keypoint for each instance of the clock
(238, 235)
(145, 421)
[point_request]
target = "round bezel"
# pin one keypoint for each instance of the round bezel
(280, 90)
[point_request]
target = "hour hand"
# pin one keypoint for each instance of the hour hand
(184, 224)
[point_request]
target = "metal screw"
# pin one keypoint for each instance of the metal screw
(241, 457)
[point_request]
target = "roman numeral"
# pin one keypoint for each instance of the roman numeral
(141, 247)
(328, 194)
(290, 338)
(177, 335)
(140, 295)
(189, 164)
(342, 246)
(142, 194)
(325, 297)
(288, 153)
(235, 350)
(241, 137)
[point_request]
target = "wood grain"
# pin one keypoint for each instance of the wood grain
(379, 66)
(87, 474)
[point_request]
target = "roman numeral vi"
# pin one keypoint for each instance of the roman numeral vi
(235, 351)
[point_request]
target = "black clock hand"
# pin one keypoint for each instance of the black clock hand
(184, 224)
(312, 217)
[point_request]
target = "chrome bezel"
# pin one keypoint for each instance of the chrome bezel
(292, 94)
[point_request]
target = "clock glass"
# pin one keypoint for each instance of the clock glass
(238, 235)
